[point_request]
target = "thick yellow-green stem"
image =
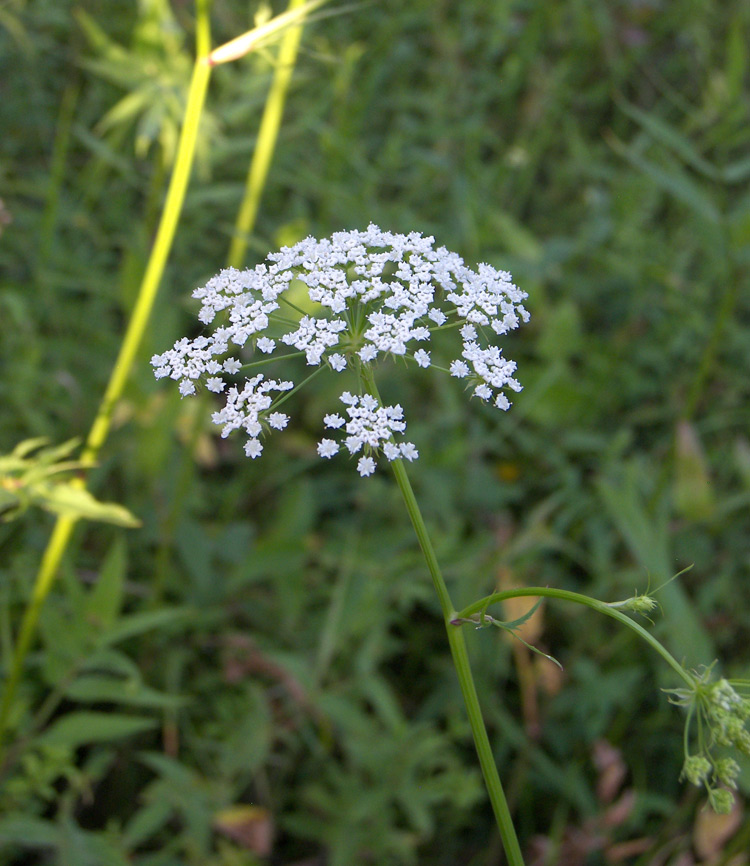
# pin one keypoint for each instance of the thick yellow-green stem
(257, 175)
(141, 313)
(266, 142)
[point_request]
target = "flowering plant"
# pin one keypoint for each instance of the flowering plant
(369, 295)
(374, 294)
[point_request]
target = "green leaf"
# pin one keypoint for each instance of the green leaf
(517, 623)
(8, 501)
(516, 237)
(58, 452)
(137, 623)
(670, 137)
(529, 646)
(562, 332)
(19, 829)
(78, 729)
(77, 502)
(737, 172)
(110, 661)
(736, 59)
(742, 459)
(130, 692)
(646, 533)
(693, 492)
(28, 445)
(674, 181)
(105, 599)
(148, 820)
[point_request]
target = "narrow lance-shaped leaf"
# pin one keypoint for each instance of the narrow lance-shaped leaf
(78, 729)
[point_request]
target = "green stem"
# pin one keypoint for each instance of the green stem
(460, 656)
(479, 607)
(133, 336)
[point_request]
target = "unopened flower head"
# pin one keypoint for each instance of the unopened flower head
(720, 709)
(371, 294)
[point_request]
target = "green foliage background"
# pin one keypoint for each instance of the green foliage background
(269, 635)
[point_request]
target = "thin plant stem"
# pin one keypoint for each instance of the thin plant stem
(63, 529)
(460, 656)
(479, 607)
(266, 143)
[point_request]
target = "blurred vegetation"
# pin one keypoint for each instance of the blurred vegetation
(259, 673)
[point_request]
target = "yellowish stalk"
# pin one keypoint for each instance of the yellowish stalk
(257, 175)
(133, 336)
(267, 136)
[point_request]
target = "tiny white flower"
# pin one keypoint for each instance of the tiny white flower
(215, 384)
(334, 421)
(252, 426)
(459, 369)
(266, 345)
(278, 420)
(354, 443)
(502, 402)
(187, 388)
(409, 451)
(368, 353)
(365, 466)
(337, 362)
(422, 358)
(253, 448)
(391, 450)
(232, 365)
(327, 448)
(468, 332)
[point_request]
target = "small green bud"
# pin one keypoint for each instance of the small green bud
(696, 769)
(742, 741)
(726, 697)
(727, 770)
(721, 800)
(641, 604)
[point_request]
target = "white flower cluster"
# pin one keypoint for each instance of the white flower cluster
(244, 408)
(373, 293)
(370, 426)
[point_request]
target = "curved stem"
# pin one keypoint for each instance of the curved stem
(479, 607)
(62, 532)
(459, 654)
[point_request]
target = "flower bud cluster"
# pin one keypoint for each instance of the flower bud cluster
(371, 294)
(721, 715)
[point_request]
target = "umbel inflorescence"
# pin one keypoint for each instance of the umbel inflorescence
(371, 294)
